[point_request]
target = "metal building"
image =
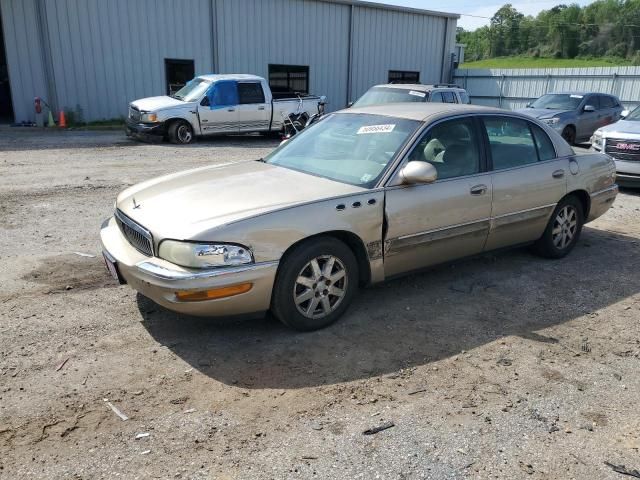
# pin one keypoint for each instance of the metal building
(95, 56)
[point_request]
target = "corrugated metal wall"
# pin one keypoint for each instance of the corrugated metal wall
(514, 88)
(24, 55)
(386, 40)
(100, 55)
(289, 32)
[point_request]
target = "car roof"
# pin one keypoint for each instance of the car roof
(230, 76)
(417, 86)
(423, 111)
(583, 94)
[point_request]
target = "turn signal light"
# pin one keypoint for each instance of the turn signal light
(214, 294)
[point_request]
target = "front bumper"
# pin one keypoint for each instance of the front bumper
(145, 130)
(159, 280)
(627, 173)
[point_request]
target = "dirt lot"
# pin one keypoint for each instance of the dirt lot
(506, 366)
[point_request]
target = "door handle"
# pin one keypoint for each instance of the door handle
(260, 108)
(558, 174)
(231, 110)
(479, 190)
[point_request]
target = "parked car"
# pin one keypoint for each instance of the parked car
(401, 93)
(217, 104)
(575, 115)
(622, 142)
(366, 194)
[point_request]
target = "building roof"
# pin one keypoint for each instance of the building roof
(396, 8)
(422, 111)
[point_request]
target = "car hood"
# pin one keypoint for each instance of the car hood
(541, 112)
(185, 204)
(621, 128)
(155, 104)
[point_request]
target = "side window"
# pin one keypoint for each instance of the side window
(594, 100)
(449, 97)
(464, 98)
(607, 102)
(546, 150)
(250, 93)
(451, 147)
(436, 97)
(223, 94)
(510, 141)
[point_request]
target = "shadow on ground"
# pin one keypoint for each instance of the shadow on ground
(411, 321)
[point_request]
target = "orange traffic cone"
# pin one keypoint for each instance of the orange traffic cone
(62, 122)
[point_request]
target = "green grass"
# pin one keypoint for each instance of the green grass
(537, 62)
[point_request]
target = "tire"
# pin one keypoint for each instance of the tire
(316, 306)
(181, 133)
(563, 230)
(569, 134)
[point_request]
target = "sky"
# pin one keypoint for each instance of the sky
(479, 8)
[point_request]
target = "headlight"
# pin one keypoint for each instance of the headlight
(551, 121)
(596, 140)
(149, 118)
(204, 255)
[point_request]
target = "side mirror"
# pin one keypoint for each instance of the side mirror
(528, 105)
(418, 172)
(323, 100)
(350, 104)
(625, 114)
(589, 108)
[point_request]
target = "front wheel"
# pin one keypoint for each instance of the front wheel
(563, 229)
(569, 134)
(181, 133)
(315, 285)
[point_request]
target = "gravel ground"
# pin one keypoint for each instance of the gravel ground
(504, 366)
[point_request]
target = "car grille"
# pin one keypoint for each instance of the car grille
(621, 149)
(138, 236)
(134, 114)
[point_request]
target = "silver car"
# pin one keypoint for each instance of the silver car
(364, 195)
(575, 115)
(622, 142)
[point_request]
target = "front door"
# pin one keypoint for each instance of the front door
(528, 180)
(254, 114)
(448, 219)
(588, 122)
(218, 110)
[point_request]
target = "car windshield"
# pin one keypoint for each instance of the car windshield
(193, 90)
(380, 95)
(634, 116)
(348, 148)
(558, 101)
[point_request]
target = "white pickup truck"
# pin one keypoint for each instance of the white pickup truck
(216, 104)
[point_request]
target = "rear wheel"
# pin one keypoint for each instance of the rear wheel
(563, 229)
(181, 133)
(315, 285)
(569, 134)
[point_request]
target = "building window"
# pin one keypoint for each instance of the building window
(398, 76)
(178, 73)
(285, 80)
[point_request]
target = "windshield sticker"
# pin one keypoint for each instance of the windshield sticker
(376, 129)
(367, 177)
(417, 94)
(577, 96)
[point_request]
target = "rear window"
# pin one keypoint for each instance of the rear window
(464, 98)
(250, 93)
(380, 95)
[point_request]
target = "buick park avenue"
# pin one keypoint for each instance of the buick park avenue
(363, 195)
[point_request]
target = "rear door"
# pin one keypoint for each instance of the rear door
(253, 112)
(528, 180)
(218, 109)
(433, 223)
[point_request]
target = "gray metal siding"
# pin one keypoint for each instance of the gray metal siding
(389, 40)
(255, 33)
(514, 88)
(24, 56)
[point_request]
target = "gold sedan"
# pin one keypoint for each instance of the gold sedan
(363, 195)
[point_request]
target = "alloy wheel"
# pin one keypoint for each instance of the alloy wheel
(184, 134)
(320, 286)
(565, 227)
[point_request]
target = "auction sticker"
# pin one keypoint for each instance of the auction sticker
(417, 94)
(577, 96)
(376, 129)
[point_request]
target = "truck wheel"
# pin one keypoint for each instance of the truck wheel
(569, 134)
(181, 133)
(315, 284)
(563, 229)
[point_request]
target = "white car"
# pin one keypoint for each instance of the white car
(216, 104)
(621, 141)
